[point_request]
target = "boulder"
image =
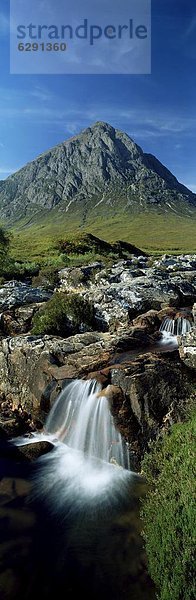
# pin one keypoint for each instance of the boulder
(153, 387)
(29, 364)
(187, 348)
(187, 344)
(150, 321)
(19, 320)
(16, 293)
(33, 369)
(34, 450)
(129, 288)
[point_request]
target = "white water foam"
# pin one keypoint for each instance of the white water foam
(81, 418)
(178, 326)
(90, 460)
(171, 328)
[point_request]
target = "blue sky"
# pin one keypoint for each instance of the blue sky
(157, 110)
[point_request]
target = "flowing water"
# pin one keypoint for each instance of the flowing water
(81, 418)
(171, 328)
(86, 539)
(176, 327)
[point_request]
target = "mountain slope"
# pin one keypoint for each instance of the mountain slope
(99, 171)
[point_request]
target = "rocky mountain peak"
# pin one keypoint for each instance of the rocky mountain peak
(98, 170)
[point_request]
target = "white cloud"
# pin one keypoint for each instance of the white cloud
(39, 104)
(41, 94)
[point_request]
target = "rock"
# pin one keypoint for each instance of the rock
(15, 293)
(102, 376)
(194, 313)
(78, 277)
(33, 368)
(97, 171)
(187, 344)
(187, 348)
(122, 292)
(168, 311)
(152, 386)
(19, 320)
(150, 321)
(34, 450)
(176, 263)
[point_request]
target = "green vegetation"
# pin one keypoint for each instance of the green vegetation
(63, 315)
(86, 242)
(169, 512)
(153, 233)
(47, 278)
(4, 249)
(53, 239)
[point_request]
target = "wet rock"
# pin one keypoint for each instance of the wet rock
(150, 321)
(33, 368)
(33, 451)
(152, 386)
(194, 313)
(187, 344)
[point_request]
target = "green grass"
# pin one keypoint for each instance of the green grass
(153, 233)
(169, 515)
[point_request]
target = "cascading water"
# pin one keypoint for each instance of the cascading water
(86, 500)
(171, 328)
(81, 418)
(90, 459)
(178, 326)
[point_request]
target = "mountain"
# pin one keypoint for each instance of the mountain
(99, 172)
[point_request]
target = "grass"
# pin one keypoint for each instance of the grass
(153, 233)
(36, 238)
(169, 512)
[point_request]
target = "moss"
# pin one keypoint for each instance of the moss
(168, 512)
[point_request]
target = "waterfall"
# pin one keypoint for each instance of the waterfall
(81, 419)
(87, 539)
(175, 327)
(90, 460)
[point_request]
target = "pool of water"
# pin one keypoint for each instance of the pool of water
(60, 536)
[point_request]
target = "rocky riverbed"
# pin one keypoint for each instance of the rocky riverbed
(148, 377)
(147, 387)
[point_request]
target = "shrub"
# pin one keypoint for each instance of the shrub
(4, 248)
(168, 512)
(64, 314)
(19, 270)
(47, 277)
(84, 244)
